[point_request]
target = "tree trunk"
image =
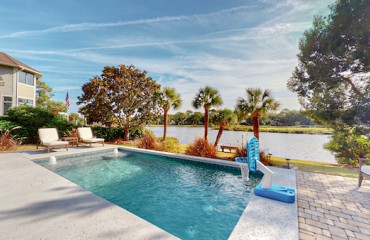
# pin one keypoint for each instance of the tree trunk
(165, 125)
(206, 120)
(127, 132)
(256, 126)
(220, 130)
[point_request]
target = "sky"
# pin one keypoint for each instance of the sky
(229, 45)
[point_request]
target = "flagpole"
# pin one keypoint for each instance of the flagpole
(67, 105)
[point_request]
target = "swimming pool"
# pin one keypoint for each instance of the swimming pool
(190, 200)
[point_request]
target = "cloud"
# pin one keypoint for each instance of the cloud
(87, 26)
(66, 88)
(90, 26)
(229, 49)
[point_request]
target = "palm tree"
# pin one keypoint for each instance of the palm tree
(168, 97)
(207, 97)
(223, 118)
(257, 104)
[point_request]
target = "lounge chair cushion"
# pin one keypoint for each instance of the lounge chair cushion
(93, 140)
(86, 135)
(48, 135)
(55, 143)
(84, 132)
(365, 169)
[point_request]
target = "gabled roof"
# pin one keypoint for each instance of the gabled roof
(7, 60)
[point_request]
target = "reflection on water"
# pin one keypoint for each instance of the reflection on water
(294, 146)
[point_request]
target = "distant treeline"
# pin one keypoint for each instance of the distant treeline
(284, 118)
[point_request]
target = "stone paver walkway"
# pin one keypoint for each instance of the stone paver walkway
(332, 207)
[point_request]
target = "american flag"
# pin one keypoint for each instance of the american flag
(67, 101)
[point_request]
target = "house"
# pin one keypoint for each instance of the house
(17, 83)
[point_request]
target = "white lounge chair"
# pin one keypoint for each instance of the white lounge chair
(49, 138)
(363, 170)
(85, 136)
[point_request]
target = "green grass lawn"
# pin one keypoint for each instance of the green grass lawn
(28, 147)
(284, 129)
(317, 167)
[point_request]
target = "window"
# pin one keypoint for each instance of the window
(25, 101)
(7, 101)
(26, 78)
(22, 77)
(29, 79)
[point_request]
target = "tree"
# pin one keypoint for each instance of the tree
(123, 94)
(257, 104)
(288, 117)
(223, 118)
(188, 112)
(332, 77)
(43, 94)
(43, 98)
(333, 74)
(75, 118)
(348, 146)
(57, 106)
(168, 97)
(196, 118)
(207, 97)
(180, 118)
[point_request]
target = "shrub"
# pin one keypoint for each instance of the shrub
(171, 144)
(265, 158)
(6, 124)
(241, 152)
(32, 118)
(201, 147)
(110, 134)
(137, 132)
(348, 146)
(7, 142)
(148, 141)
(59, 122)
(118, 140)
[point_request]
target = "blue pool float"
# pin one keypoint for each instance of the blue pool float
(276, 192)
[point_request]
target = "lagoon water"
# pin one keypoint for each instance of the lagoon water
(286, 145)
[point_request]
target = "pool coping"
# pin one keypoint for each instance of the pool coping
(262, 217)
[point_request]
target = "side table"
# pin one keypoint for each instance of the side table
(71, 140)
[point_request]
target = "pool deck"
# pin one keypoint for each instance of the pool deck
(37, 203)
(269, 219)
(332, 207)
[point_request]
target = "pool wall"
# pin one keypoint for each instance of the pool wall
(208, 161)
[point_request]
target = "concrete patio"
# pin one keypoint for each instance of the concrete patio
(38, 204)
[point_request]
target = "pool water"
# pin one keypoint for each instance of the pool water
(189, 200)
